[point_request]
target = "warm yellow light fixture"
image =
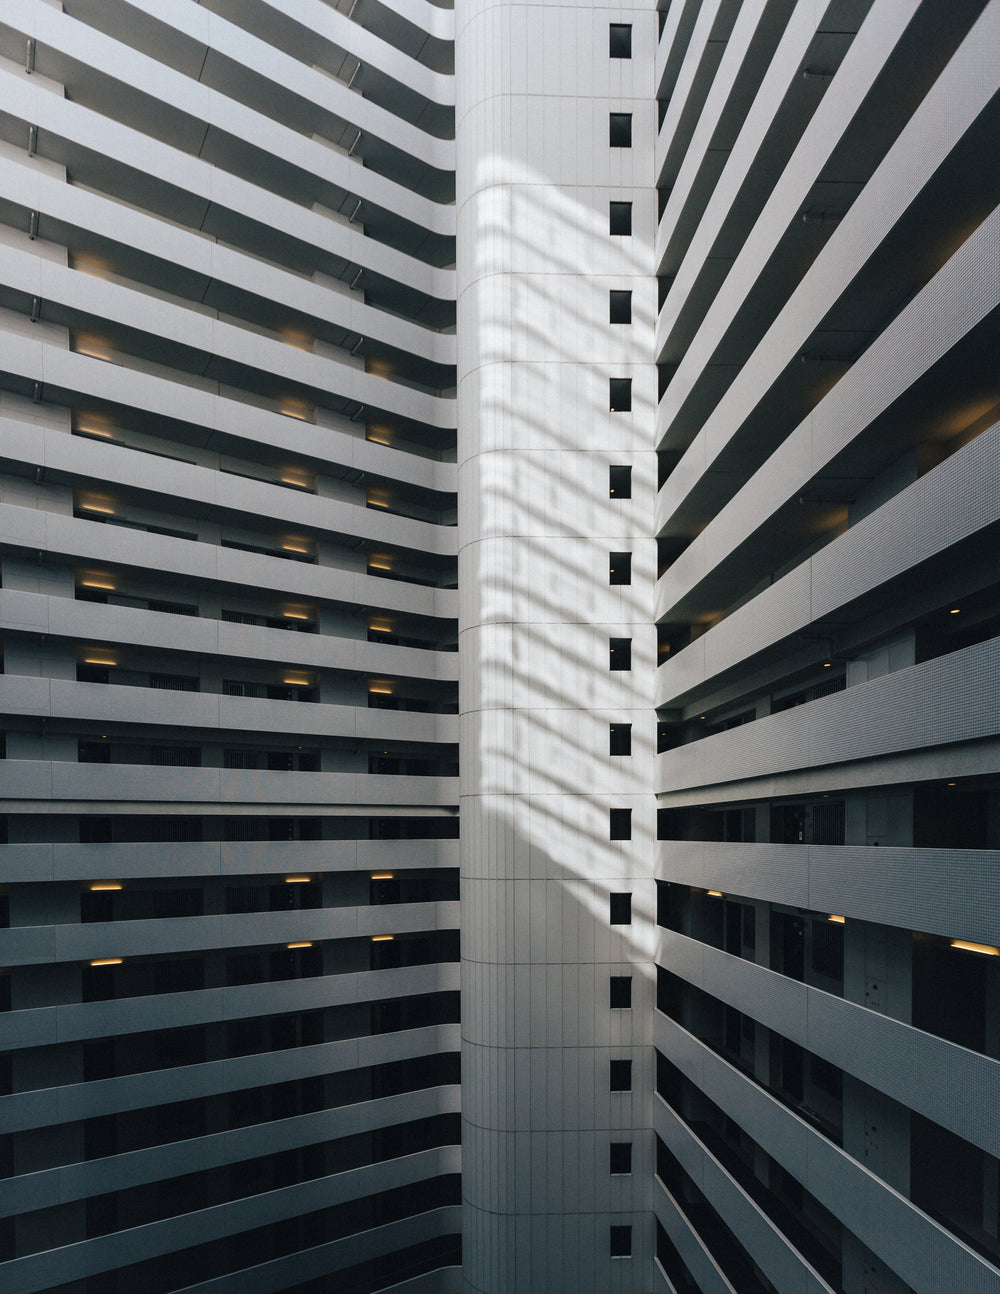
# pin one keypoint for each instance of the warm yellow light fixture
(375, 440)
(100, 886)
(292, 408)
(386, 629)
(954, 611)
(840, 921)
(107, 961)
(383, 876)
(382, 939)
(298, 880)
(967, 946)
(379, 566)
(98, 660)
(92, 350)
(103, 508)
(296, 547)
(715, 894)
(826, 664)
(296, 680)
(302, 943)
(376, 503)
(295, 615)
(381, 691)
(96, 584)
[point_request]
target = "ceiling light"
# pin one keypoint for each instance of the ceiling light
(967, 946)
(99, 886)
(382, 939)
(302, 943)
(715, 894)
(297, 880)
(838, 920)
(107, 961)
(383, 876)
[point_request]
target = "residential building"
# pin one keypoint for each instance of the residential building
(229, 647)
(606, 393)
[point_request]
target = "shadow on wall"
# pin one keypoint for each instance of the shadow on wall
(554, 1074)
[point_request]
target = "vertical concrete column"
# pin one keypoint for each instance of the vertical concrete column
(537, 264)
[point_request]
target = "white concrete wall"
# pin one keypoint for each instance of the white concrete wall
(536, 526)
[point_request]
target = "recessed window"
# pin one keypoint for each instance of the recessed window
(620, 824)
(619, 568)
(620, 394)
(621, 992)
(621, 1242)
(621, 738)
(621, 653)
(620, 40)
(621, 909)
(621, 306)
(621, 1076)
(620, 129)
(620, 482)
(621, 1156)
(621, 218)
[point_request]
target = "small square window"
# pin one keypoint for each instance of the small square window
(619, 568)
(621, 1076)
(621, 1242)
(621, 1156)
(621, 218)
(621, 909)
(620, 824)
(620, 394)
(621, 653)
(621, 306)
(619, 482)
(621, 738)
(620, 40)
(620, 129)
(621, 992)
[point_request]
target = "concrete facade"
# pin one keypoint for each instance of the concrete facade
(230, 865)
(608, 394)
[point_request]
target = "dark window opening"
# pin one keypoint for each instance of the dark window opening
(619, 568)
(620, 40)
(620, 395)
(621, 738)
(620, 129)
(620, 1075)
(621, 909)
(620, 481)
(620, 824)
(620, 306)
(621, 1242)
(621, 992)
(620, 218)
(621, 1157)
(621, 653)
